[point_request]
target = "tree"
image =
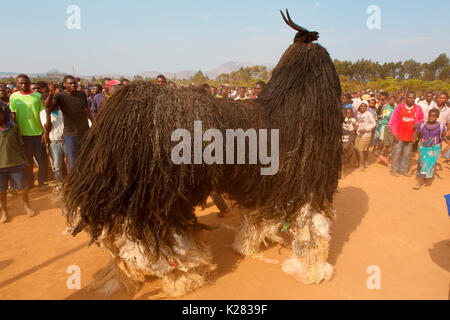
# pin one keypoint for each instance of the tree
(199, 77)
(435, 68)
(412, 69)
(444, 75)
(223, 78)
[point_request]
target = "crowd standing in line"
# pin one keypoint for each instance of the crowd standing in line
(41, 123)
(394, 126)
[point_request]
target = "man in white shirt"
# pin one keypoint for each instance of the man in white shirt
(53, 123)
(427, 104)
(356, 101)
(444, 110)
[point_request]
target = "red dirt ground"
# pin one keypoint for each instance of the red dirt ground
(381, 221)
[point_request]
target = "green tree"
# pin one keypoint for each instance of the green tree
(444, 75)
(435, 68)
(199, 77)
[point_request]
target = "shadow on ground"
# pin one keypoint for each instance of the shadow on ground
(440, 254)
(351, 206)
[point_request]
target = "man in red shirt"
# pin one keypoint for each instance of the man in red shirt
(404, 118)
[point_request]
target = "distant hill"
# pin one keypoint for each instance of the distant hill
(211, 74)
(227, 67)
(169, 75)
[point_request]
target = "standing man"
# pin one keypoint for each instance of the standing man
(25, 107)
(73, 104)
(444, 110)
(259, 88)
(428, 103)
(125, 82)
(4, 102)
(347, 102)
(161, 80)
(402, 123)
(4, 94)
(97, 100)
(96, 89)
(34, 87)
(43, 88)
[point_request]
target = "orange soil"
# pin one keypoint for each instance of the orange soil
(380, 221)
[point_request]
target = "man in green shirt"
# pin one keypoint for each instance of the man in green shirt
(12, 165)
(25, 107)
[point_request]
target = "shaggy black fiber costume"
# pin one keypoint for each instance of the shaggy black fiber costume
(124, 180)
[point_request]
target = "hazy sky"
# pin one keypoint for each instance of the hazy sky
(129, 37)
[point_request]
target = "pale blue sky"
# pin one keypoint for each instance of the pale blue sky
(129, 37)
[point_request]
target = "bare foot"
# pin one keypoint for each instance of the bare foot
(3, 216)
(418, 185)
(30, 212)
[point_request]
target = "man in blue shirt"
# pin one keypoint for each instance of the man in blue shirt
(347, 102)
(97, 100)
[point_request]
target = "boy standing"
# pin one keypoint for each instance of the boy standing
(348, 135)
(53, 123)
(12, 165)
(25, 107)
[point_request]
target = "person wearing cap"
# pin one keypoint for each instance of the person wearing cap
(113, 87)
(76, 115)
(113, 83)
(365, 123)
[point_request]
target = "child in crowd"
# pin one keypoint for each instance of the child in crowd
(53, 123)
(365, 125)
(12, 165)
(431, 134)
(386, 137)
(375, 133)
(348, 136)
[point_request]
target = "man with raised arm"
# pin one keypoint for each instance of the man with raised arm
(75, 110)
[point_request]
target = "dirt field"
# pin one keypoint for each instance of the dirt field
(381, 221)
